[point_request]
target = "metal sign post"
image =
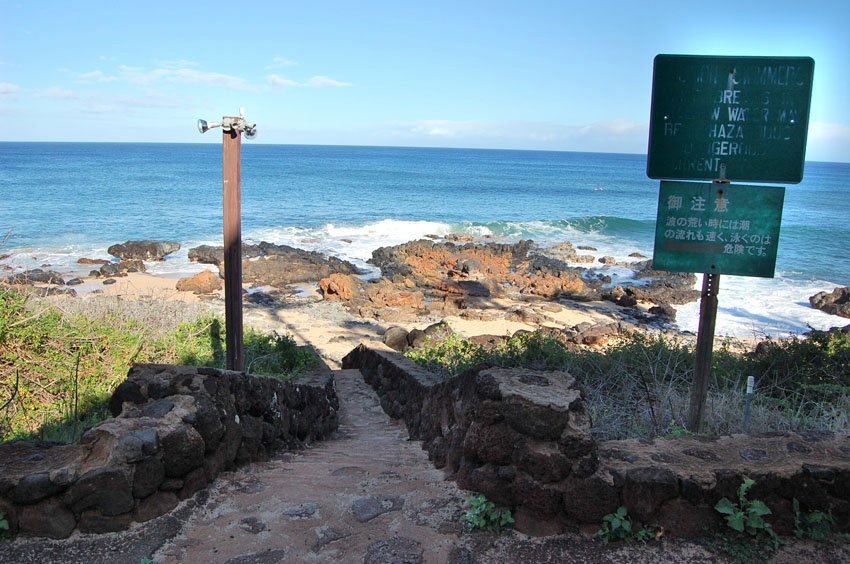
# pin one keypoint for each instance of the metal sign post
(705, 350)
(232, 129)
(232, 211)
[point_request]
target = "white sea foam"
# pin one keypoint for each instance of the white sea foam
(354, 243)
(755, 307)
(748, 307)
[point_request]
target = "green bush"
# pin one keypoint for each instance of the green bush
(639, 385)
(58, 370)
(815, 525)
(618, 526)
(746, 515)
(483, 515)
(449, 356)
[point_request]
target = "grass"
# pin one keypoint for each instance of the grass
(639, 386)
(58, 367)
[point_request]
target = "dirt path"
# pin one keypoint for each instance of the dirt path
(366, 491)
(368, 495)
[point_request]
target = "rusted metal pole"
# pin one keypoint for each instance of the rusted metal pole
(232, 201)
(705, 349)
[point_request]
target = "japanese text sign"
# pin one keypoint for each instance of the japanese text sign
(718, 228)
(750, 114)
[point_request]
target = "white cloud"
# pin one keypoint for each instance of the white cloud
(149, 101)
(276, 80)
(176, 64)
(613, 136)
(57, 93)
(278, 62)
(320, 80)
(614, 127)
(174, 72)
(95, 76)
(192, 76)
(180, 75)
(9, 89)
(317, 81)
(451, 129)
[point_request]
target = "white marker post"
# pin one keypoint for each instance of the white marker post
(748, 403)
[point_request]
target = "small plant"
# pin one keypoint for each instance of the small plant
(747, 515)
(618, 526)
(484, 516)
(676, 430)
(4, 526)
(815, 525)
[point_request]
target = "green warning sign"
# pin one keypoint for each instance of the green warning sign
(718, 228)
(749, 114)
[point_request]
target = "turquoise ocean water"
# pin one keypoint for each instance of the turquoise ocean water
(61, 201)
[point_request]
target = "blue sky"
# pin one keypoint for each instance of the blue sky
(524, 75)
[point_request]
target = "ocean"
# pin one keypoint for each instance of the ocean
(62, 201)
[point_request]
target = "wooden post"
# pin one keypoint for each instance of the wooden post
(705, 349)
(232, 202)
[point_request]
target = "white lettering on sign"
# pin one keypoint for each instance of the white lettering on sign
(674, 202)
(697, 165)
(736, 113)
(671, 128)
(726, 131)
(728, 112)
(725, 148)
(782, 75)
(730, 97)
(734, 235)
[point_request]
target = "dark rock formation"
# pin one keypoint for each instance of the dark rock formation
(143, 250)
(84, 260)
(836, 302)
(267, 264)
(120, 268)
(665, 287)
(36, 276)
(396, 338)
(665, 313)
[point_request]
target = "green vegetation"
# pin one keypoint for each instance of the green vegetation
(4, 526)
(618, 526)
(746, 515)
(756, 540)
(59, 367)
(639, 386)
(815, 525)
(483, 515)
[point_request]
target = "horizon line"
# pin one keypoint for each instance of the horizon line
(362, 146)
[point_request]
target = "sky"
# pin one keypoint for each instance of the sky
(547, 75)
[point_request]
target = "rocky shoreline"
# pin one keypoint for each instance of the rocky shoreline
(425, 281)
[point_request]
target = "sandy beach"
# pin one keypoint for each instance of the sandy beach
(327, 325)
